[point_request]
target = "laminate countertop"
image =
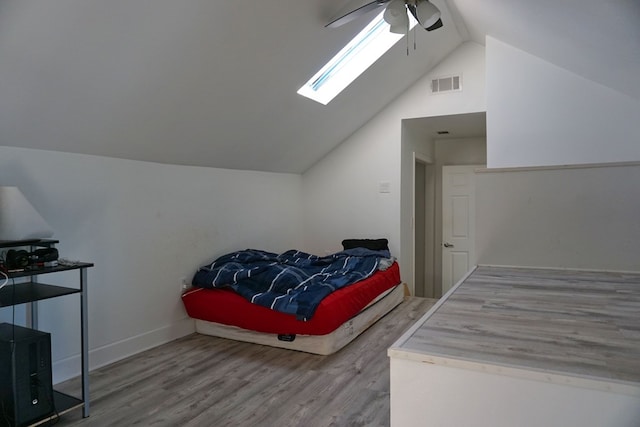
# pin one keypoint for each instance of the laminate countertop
(572, 327)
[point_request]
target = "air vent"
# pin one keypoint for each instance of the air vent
(446, 84)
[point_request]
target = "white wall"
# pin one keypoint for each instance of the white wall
(567, 218)
(145, 226)
(443, 396)
(341, 197)
(540, 114)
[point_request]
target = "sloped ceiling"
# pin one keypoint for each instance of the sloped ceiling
(596, 39)
(213, 83)
(195, 82)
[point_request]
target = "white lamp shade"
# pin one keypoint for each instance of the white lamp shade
(396, 16)
(426, 13)
(19, 220)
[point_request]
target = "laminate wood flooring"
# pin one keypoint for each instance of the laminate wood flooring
(200, 380)
(580, 323)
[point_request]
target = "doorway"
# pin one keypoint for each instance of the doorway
(458, 139)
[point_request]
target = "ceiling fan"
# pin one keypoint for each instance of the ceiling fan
(395, 14)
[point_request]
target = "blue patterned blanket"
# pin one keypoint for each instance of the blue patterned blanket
(293, 282)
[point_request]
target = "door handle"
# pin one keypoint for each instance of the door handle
(447, 245)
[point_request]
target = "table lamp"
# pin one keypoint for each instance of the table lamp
(19, 220)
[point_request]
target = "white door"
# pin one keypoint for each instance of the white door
(458, 223)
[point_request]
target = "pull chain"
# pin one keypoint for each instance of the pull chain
(407, 38)
(414, 39)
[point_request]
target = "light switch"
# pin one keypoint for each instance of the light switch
(384, 187)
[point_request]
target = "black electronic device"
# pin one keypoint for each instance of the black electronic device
(20, 259)
(17, 259)
(44, 255)
(26, 390)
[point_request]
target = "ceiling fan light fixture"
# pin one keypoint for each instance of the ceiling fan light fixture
(426, 13)
(402, 28)
(396, 16)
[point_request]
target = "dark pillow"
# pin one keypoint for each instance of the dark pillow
(373, 244)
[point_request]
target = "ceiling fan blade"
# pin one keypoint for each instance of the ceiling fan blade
(353, 13)
(435, 26)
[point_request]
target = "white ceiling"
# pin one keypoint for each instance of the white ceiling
(596, 39)
(213, 82)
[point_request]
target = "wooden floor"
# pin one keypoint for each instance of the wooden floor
(583, 324)
(205, 381)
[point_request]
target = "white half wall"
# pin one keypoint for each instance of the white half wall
(341, 197)
(426, 394)
(584, 218)
(539, 114)
(145, 226)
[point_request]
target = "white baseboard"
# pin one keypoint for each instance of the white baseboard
(70, 367)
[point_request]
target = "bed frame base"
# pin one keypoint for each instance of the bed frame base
(317, 344)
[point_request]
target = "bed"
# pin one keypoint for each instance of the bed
(321, 322)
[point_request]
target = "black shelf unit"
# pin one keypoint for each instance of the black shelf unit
(32, 291)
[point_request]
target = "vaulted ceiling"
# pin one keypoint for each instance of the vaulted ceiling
(213, 83)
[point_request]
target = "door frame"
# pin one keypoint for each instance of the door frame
(427, 161)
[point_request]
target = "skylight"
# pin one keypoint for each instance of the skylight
(358, 55)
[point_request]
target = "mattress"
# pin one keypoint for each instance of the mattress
(317, 344)
(340, 317)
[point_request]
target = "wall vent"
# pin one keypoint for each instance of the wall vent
(446, 84)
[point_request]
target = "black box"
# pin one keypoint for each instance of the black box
(26, 390)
